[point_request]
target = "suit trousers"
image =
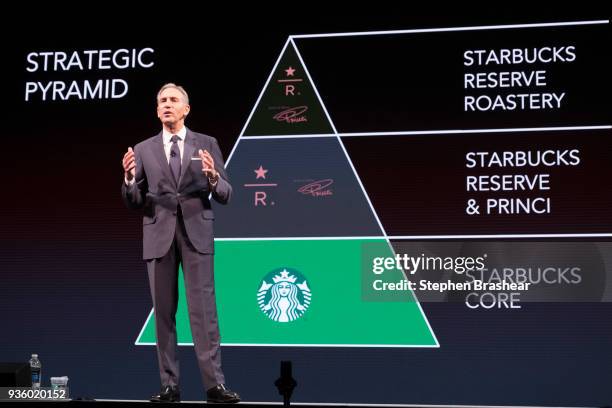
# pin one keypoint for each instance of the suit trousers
(198, 270)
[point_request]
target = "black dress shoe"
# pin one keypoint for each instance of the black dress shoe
(169, 393)
(221, 394)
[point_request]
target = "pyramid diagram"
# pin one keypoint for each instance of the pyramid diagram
(292, 247)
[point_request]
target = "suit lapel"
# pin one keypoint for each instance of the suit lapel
(188, 151)
(160, 155)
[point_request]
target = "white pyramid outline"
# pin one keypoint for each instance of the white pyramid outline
(382, 229)
(401, 133)
(410, 133)
(452, 29)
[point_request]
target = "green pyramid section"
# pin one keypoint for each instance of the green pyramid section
(338, 304)
(289, 104)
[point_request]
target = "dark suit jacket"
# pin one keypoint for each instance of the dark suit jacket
(156, 192)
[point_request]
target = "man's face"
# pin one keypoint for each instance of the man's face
(171, 107)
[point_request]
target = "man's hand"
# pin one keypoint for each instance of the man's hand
(129, 164)
(208, 165)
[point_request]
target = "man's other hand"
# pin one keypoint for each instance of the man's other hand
(129, 164)
(208, 164)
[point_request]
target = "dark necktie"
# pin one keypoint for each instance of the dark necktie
(175, 159)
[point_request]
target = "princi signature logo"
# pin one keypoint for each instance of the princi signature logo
(292, 115)
(317, 188)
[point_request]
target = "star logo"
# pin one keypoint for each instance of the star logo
(260, 172)
(290, 71)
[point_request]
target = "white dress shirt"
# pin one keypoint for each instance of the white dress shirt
(168, 143)
(166, 138)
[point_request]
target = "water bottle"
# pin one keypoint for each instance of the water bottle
(35, 368)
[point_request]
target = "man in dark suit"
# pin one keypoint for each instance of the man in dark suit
(170, 177)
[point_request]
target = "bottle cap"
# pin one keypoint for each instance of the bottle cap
(35, 355)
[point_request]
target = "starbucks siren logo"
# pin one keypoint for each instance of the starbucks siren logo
(284, 295)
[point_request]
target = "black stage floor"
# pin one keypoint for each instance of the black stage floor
(106, 403)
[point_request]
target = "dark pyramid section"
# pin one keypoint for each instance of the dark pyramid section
(300, 187)
(289, 105)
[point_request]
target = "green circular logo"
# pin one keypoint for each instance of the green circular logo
(284, 295)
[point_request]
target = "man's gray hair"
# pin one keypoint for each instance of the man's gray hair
(175, 86)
